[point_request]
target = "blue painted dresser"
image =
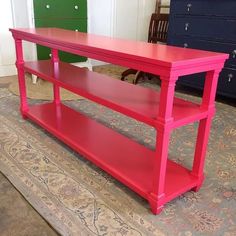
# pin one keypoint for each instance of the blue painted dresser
(208, 25)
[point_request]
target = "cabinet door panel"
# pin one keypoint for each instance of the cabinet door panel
(191, 42)
(71, 24)
(206, 7)
(60, 9)
(216, 29)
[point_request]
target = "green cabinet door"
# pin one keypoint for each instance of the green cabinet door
(60, 9)
(71, 24)
(69, 14)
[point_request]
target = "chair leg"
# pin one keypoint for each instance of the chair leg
(128, 72)
(139, 75)
(34, 78)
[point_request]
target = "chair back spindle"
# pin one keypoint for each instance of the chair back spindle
(158, 28)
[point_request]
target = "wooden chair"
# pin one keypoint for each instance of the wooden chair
(158, 28)
(159, 7)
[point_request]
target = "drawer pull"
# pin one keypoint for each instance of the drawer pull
(234, 53)
(186, 26)
(185, 45)
(76, 7)
(189, 6)
(230, 76)
(47, 6)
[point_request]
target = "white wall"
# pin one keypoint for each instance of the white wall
(7, 51)
(23, 18)
(126, 19)
(14, 13)
(100, 17)
(146, 8)
(120, 18)
(131, 18)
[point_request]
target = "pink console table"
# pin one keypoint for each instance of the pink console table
(148, 173)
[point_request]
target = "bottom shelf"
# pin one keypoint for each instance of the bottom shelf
(126, 160)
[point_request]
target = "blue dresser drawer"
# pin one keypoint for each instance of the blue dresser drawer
(207, 25)
(227, 82)
(217, 29)
(190, 42)
(206, 7)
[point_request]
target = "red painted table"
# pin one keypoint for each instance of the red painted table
(147, 172)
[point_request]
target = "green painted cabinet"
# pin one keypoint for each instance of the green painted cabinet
(60, 8)
(69, 14)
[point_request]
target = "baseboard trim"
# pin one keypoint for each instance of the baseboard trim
(7, 70)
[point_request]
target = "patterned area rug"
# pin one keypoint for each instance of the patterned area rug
(77, 198)
(41, 90)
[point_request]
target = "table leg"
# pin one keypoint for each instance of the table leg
(164, 119)
(157, 196)
(204, 126)
(21, 77)
(56, 88)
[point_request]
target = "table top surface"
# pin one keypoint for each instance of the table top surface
(156, 53)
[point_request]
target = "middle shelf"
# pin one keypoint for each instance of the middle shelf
(135, 101)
